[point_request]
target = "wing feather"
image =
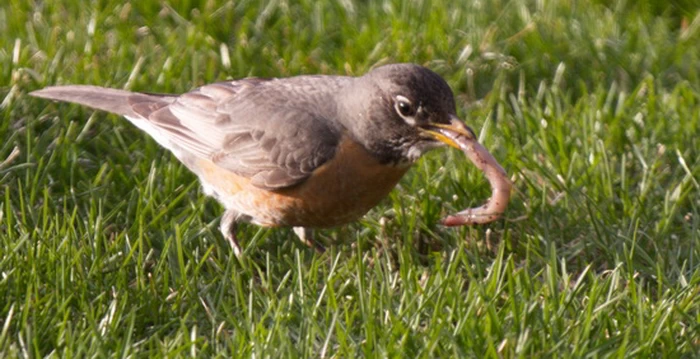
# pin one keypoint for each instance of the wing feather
(260, 129)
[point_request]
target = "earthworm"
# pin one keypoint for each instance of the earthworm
(495, 174)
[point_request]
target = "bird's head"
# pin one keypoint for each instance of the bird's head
(401, 111)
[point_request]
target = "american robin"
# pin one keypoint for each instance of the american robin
(305, 151)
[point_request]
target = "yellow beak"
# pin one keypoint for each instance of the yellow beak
(456, 126)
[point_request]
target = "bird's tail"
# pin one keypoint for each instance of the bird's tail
(111, 100)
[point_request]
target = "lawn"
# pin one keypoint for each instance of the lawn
(109, 248)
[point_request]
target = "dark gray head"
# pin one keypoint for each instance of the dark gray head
(399, 112)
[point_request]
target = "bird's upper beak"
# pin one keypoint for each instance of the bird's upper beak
(455, 127)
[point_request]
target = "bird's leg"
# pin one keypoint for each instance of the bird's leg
(228, 229)
(306, 236)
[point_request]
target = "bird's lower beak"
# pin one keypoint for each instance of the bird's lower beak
(445, 132)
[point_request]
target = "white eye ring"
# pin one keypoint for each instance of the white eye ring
(405, 109)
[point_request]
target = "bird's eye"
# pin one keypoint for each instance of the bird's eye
(404, 107)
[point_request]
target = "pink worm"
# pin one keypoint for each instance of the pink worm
(495, 174)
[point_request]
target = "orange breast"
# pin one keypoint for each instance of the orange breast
(340, 191)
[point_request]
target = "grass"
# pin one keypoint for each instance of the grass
(108, 248)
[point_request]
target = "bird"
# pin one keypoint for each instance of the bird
(307, 152)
